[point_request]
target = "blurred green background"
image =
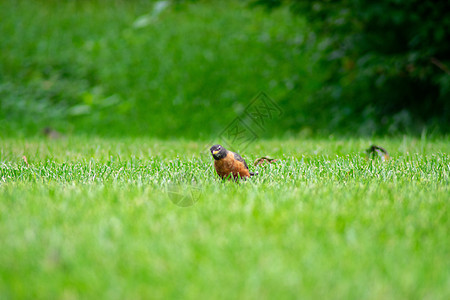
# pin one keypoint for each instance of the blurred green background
(172, 69)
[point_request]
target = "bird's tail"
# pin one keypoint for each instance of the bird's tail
(253, 173)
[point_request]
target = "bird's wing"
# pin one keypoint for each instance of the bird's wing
(239, 158)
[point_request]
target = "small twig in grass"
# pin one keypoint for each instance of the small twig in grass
(264, 160)
(377, 150)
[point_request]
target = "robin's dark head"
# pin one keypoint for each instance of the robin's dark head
(218, 152)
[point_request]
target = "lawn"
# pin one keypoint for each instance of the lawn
(147, 218)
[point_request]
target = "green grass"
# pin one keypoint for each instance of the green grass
(95, 218)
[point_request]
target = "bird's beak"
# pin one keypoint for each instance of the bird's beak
(215, 152)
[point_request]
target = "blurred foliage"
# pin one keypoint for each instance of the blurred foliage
(163, 69)
(388, 63)
(189, 68)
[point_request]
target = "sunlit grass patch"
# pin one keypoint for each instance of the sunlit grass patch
(138, 218)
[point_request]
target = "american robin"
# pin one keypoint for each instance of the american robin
(227, 162)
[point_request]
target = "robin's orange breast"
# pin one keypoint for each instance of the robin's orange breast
(229, 165)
